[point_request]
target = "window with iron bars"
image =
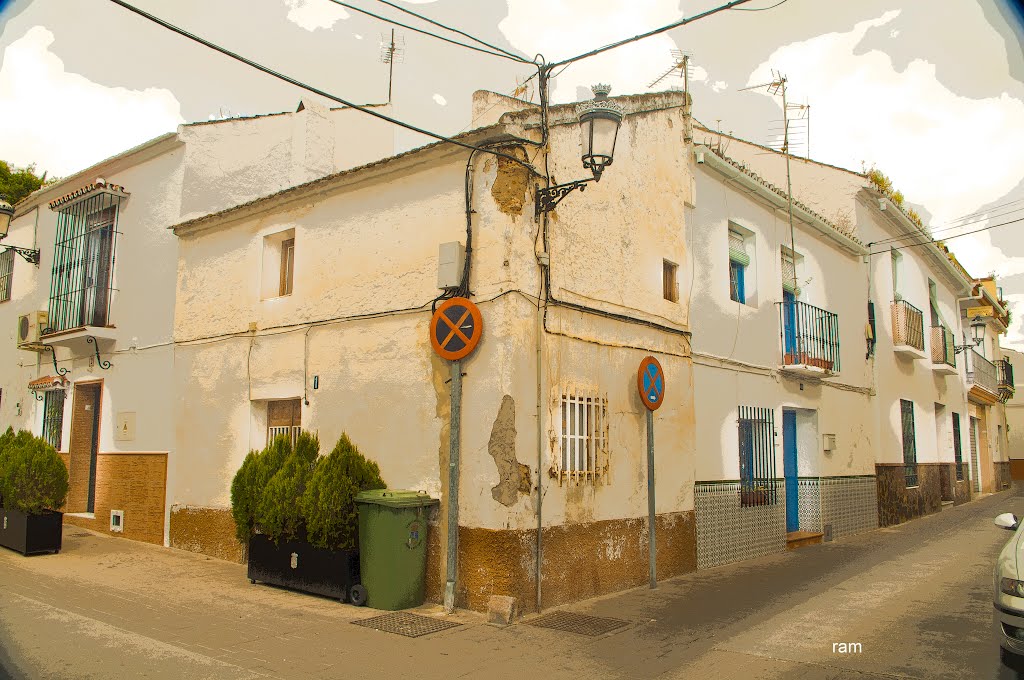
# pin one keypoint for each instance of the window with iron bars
(909, 442)
(757, 456)
(82, 280)
(583, 437)
(6, 274)
(290, 431)
(957, 452)
(53, 417)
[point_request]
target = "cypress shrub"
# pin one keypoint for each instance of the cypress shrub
(250, 482)
(278, 511)
(328, 503)
(33, 478)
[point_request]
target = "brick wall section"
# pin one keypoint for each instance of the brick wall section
(135, 483)
(84, 410)
(897, 503)
(209, 531)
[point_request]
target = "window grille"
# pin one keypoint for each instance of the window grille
(6, 274)
(757, 456)
(83, 262)
(909, 442)
(957, 452)
(290, 431)
(53, 417)
(583, 433)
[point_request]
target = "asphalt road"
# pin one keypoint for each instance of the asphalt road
(916, 599)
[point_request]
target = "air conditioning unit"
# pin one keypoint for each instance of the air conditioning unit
(30, 326)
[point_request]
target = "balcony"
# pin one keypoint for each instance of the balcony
(983, 379)
(810, 339)
(943, 351)
(907, 330)
(1005, 382)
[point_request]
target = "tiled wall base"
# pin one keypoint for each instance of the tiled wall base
(849, 505)
(727, 532)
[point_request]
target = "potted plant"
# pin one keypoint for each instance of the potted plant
(295, 511)
(33, 485)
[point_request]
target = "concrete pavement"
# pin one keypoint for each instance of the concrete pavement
(916, 597)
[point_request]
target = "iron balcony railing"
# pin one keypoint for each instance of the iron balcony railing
(983, 373)
(907, 325)
(1006, 388)
(943, 346)
(810, 335)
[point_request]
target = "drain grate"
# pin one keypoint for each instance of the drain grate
(409, 625)
(581, 624)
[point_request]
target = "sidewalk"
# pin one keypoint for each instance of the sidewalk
(108, 607)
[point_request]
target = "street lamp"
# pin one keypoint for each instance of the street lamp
(6, 213)
(977, 334)
(599, 120)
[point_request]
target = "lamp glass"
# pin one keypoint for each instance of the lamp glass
(978, 331)
(6, 213)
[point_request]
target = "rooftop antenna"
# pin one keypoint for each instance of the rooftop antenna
(799, 121)
(775, 87)
(680, 63)
(392, 51)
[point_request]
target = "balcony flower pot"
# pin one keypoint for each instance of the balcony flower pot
(820, 363)
(31, 534)
(298, 565)
(753, 497)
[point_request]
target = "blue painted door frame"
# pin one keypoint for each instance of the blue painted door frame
(790, 469)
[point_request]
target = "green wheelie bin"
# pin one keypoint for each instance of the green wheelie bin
(393, 546)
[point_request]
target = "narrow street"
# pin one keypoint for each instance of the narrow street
(916, 598)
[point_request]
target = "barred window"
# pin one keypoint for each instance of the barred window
(6, 274)
(284, 418)
(757, 456)
(53, 417)
(583, 433)
(909, 442)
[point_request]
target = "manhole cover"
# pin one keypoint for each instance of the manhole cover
(581, 624)
(409, 625)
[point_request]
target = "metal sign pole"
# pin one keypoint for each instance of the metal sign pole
(650, 497)
(453, 485)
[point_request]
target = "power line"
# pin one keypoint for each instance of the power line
(502, 54)
(310, 88)
(967, 233)
(934, 232)
(759, 9)
(449, 28)
(648, 34)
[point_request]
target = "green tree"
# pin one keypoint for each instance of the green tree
(34, 477)
(17, 183)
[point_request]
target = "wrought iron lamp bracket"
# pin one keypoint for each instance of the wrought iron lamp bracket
(548, 198)
(31, 256)
(104, 364)
(38, 396)
(53, 354)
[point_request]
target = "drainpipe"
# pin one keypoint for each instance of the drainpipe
(540, 444)
(453, 486)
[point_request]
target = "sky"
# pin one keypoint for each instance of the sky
(931, 93)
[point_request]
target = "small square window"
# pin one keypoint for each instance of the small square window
(671, 285)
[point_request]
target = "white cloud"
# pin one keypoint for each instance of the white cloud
(699, 74)
(441, 101)
(719, 85)
(358, 37)
(563, 28)
(907, 123)
(63, 122)
(314, 14)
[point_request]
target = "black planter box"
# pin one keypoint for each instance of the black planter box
(300, 566)
(31, 534)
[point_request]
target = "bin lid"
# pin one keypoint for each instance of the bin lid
(396, 498)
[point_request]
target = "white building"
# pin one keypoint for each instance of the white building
(90, 328)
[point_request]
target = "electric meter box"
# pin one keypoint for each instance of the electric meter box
(451, 260)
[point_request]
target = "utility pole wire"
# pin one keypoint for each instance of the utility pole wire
(310, 88)
(927, 243)
(934, 233)
(648, 34)
(503, 54)
(449, 28)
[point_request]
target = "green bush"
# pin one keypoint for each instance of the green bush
(328, 504)
(33, 478)
(278, 511)
(250, 482)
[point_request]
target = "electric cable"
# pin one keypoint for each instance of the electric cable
(310, 88)
(942, 230)
(648, 34)
(758, 9)
(502, 54)
(449, 28)
(926, 243)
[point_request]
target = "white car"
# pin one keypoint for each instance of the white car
(1009, 589)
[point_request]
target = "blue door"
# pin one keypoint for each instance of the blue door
(789, 469)
(789, 326)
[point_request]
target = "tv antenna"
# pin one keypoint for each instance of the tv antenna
(680, 63)
(777, 86)
(798, 119)
(392, 51)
